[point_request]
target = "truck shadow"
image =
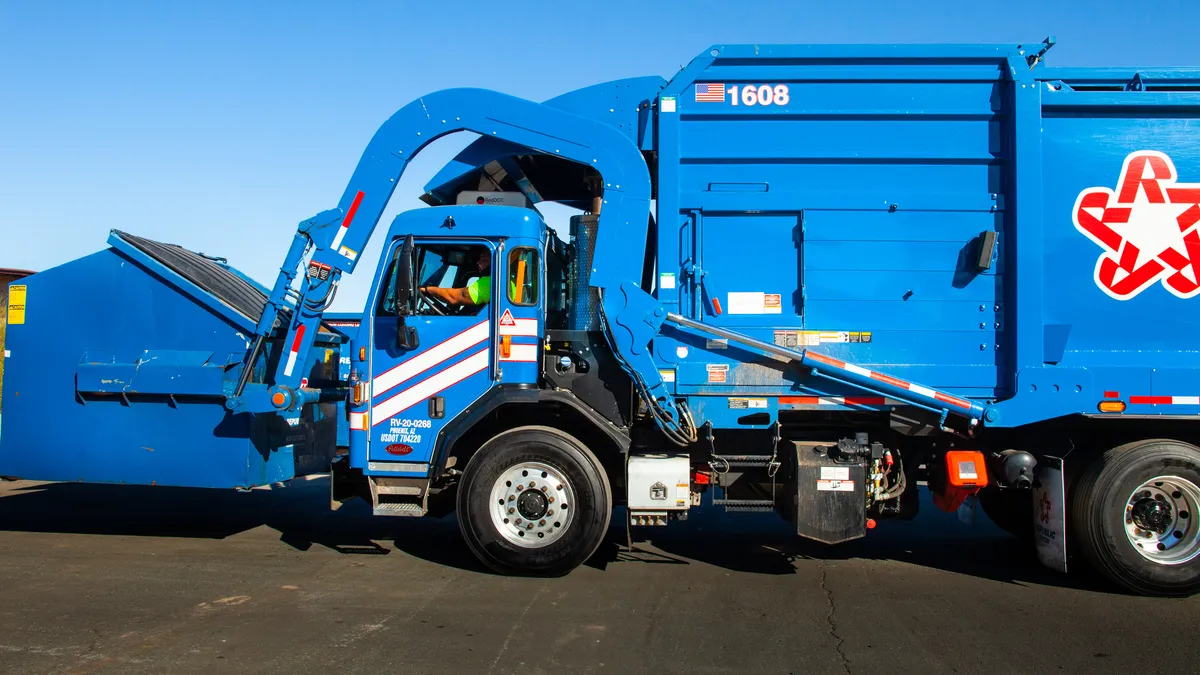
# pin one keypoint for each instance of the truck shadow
(746, 543)
(764, 544)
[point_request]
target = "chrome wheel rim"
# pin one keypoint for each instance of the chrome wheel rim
(532, 504)
(1160, 517)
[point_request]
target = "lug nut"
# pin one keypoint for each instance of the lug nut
(543, 488)
(550, 499)
(520, 487)
(518, 521)
(550, 512)
(531, 484)
(511, 497)
(529, 526)
(511, 510)
(541, 523)
(558, 488)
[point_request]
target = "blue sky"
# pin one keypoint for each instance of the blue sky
(220, 125)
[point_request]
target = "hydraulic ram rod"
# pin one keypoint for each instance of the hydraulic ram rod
(848, 373)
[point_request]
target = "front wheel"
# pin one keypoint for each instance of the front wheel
(534, 500)
(1134, 513)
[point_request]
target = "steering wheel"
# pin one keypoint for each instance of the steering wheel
(430, 303)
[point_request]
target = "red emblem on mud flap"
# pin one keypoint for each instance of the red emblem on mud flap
(1147, 228)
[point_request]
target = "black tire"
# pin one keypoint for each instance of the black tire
(1011, 510)
(1098, 515)
(582, 535)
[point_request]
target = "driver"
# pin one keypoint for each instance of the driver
(475, 294)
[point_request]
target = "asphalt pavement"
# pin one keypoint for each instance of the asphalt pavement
(106, 579)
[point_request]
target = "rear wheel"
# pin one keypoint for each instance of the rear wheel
(534, 501)
(1134, 514)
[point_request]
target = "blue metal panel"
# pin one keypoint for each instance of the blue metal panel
(857, 198)
(117, 375)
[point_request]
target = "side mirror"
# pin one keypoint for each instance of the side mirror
(406, 336)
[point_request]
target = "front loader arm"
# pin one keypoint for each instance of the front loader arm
(336, 238)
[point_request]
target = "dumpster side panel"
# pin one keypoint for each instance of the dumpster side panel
(93, 379)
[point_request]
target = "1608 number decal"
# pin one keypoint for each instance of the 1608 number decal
(760, 94)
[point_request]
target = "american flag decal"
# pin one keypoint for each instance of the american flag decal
(710, 92)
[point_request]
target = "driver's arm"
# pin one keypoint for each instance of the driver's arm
(457, 297)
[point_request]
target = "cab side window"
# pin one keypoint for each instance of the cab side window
(441, 265)
(523, 276)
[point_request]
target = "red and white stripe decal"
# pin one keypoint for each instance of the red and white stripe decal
(888, 379)
(522, 354)
(291, 360)
(442, 351)
(358, 421)
(837, 400)
(341, 233)
(521, 328)
(1164, 400)
(430, 386)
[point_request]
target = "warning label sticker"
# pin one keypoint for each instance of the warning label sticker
(747, 403)
(772, 303)
(720, 343)
(16, 305)
(717, 372)
(812, 338)
(754, 303)
(507, 319)
(666, 280)
(835, 486)
(835, 473)
(667, 375)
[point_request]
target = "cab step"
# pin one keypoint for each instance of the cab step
(399, 496)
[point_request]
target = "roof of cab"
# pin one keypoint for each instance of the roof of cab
(471, 221)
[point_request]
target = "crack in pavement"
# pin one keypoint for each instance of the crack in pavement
(839, 643)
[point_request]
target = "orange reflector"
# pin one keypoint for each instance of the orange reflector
(1112, 406)
(870, 523)
(506, 346)
(362, 353)
(360, 392)
(966, 473)
(278, 399)
(966, 468)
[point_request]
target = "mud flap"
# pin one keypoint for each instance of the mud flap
(1050, 514)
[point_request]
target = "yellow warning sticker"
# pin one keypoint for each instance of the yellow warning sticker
(16, 305)
(813, 338)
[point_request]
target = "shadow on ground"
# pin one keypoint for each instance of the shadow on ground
(746, 543)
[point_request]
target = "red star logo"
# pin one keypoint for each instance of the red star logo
(1147, 228)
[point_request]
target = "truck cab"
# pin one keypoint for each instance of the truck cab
(423, 361)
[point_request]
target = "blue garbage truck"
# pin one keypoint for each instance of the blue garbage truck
(805, 279)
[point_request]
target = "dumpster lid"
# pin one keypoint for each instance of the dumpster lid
(208, 279)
